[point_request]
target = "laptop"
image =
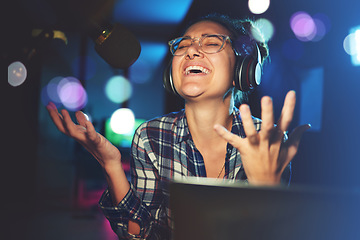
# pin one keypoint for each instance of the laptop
(213, 210)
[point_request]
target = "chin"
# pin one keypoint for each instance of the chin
(191, 92)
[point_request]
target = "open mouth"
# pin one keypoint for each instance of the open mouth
(196, 70)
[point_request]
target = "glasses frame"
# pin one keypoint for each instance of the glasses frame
(171, 43)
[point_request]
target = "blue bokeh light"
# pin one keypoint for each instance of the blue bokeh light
(118, 89)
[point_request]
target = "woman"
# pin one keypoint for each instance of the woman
(206, 139)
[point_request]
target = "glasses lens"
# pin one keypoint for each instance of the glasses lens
(212, 43)
(209, 44)
(180, 46)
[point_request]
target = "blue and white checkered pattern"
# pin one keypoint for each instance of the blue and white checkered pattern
(163, 150)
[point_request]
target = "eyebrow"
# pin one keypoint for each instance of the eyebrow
(204, 34)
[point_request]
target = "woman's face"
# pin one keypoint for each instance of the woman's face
(216, 77)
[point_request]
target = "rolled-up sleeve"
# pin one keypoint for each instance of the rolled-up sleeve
(144, 202)
(130, 208)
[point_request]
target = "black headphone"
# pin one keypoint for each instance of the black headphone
(247, 76)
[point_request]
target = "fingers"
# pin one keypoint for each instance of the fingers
(248, 123)
(62, 120)
(267, 116)
(228, 136)
(287, 111)
(91, 132)
(69, 125)
(55, 116)
(81, 118)
(88, 126)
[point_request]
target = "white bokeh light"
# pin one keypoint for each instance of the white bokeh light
(258, 6)
(351, 45)
(348, 44)
(266, 29)
(17, 73)
(122, 121)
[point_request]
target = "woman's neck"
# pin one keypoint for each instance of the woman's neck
(202, 116)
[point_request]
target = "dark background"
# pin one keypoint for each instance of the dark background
(42, 166)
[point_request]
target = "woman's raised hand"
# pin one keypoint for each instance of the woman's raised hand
(84, 133)
(264, 154)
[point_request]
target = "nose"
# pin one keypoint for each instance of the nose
(194, 50)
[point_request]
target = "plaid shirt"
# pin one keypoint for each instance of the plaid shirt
(162, 150)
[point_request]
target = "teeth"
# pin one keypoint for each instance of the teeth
(202, 69)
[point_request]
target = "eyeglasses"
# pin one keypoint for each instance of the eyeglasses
(208, 44)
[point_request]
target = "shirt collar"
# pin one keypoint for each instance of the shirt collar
(182, 129)
(237, 126)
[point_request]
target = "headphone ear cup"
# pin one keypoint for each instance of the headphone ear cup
(167, 79)
(247, 73)
(237, 73)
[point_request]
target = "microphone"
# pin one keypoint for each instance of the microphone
(116, 44)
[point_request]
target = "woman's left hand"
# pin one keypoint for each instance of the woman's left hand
(264, 154)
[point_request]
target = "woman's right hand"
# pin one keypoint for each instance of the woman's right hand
(84, 133)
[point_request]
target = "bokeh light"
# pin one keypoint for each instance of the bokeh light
(320, 30)
(72, 94)
(17, 73)
(52, 89)
(351, 45)
(118, 89)
(49, 92)
(66, 91)
(303, 26)
(322, 21)
(258, 6)
(348, 44)
(357, 44)
(122, 121)
(265, 27)
(307, 28)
